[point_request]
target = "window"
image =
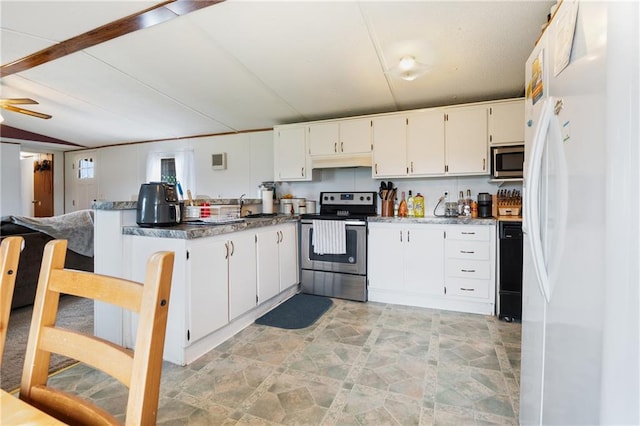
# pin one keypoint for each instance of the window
(168, 170)
(86, 168)
(172, 167)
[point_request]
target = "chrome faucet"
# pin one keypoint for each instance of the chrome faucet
(241, 202)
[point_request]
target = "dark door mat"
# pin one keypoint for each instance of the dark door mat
(301, 311)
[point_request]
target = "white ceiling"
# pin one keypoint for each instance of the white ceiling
(243, 65)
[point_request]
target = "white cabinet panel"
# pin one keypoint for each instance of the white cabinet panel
(506, 122)
(277, 259)
(290, 154)
(355, 136)
(242, 273)
(207, 275)
(389, 146)
(424, 259)
(288, 255)
(466, 140)
(385, 256)
(425, 143)
(324, 138)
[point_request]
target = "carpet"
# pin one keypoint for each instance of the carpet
(301, 311)
(73, 312)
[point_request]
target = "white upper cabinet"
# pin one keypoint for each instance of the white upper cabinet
(506, 122)
(389, 146)
(425, 143)
(466, 140)
(290, 154)
(342, 137)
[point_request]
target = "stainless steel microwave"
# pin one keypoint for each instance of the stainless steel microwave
(507, 162)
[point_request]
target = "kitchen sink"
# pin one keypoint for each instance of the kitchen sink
(258, 215)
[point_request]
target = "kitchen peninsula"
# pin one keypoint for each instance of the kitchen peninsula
(225, 275)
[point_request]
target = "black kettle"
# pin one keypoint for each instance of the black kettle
(158, 205)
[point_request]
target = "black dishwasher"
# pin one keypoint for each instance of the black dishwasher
(510, 271)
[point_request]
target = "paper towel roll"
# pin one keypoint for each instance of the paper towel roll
(267, 201)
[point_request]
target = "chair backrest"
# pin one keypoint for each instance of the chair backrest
(9, 257)
(139, 370)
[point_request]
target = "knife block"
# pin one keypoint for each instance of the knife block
(387, 208)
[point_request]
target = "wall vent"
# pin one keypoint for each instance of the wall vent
(219, 161)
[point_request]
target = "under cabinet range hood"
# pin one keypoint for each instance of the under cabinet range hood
(336, 162)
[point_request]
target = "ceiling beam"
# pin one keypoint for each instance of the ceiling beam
(15, 133)
(147, 18)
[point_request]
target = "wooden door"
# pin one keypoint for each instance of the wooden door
(43, 187)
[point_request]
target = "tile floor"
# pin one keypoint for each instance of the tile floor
(361, 363)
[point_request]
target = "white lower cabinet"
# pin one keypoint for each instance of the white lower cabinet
(435, 266)
(207, 278)
(406, 259)
(242, 273)
(277, 260)
(214, 289)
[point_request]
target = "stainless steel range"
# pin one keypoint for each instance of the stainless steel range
(340, 271)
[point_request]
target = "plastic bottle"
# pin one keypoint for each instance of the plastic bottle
(410, 205)
(461, 204)
(474, 209)
(402, 208)
(418, 205)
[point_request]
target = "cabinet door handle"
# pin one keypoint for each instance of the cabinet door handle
(226, 250)
(467, 289)
(376, 168)
(302, 171)
(233, 248)
(484, 164)
(400, 236)
(412, 167)
(341, 146)
(335, 147)
(408, 236)
(462, 270)
(467, 252)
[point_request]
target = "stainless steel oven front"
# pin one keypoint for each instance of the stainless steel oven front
(335, 275)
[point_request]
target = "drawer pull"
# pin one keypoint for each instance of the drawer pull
(467, 252)
(467, 289)
(467, 270)
(468, 233)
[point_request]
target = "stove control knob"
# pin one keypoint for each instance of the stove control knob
(332, 198)
(361, 198)
(368, 197)
(326, 198)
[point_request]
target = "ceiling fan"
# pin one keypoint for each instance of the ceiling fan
(8, 104)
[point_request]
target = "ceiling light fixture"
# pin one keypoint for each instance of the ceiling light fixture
(409, 69)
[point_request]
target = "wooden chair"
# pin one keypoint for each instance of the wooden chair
(9, 257)
(139, 370)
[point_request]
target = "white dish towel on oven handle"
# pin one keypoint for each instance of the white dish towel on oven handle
(329, 237)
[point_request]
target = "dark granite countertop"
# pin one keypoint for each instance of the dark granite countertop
(190, 231)
(434, 220)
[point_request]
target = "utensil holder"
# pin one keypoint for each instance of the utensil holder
(387, 208)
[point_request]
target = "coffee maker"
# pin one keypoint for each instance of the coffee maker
(484, 205)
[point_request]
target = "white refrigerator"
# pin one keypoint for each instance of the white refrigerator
(581, 300)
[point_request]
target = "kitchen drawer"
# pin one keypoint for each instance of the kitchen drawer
(470, 233)
(475, 250)
(468, 288)
(475, 269)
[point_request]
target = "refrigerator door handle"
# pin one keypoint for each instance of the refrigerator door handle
(548, 122)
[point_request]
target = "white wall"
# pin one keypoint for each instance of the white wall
(359, 179)
(122, 169)
(10, 197)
